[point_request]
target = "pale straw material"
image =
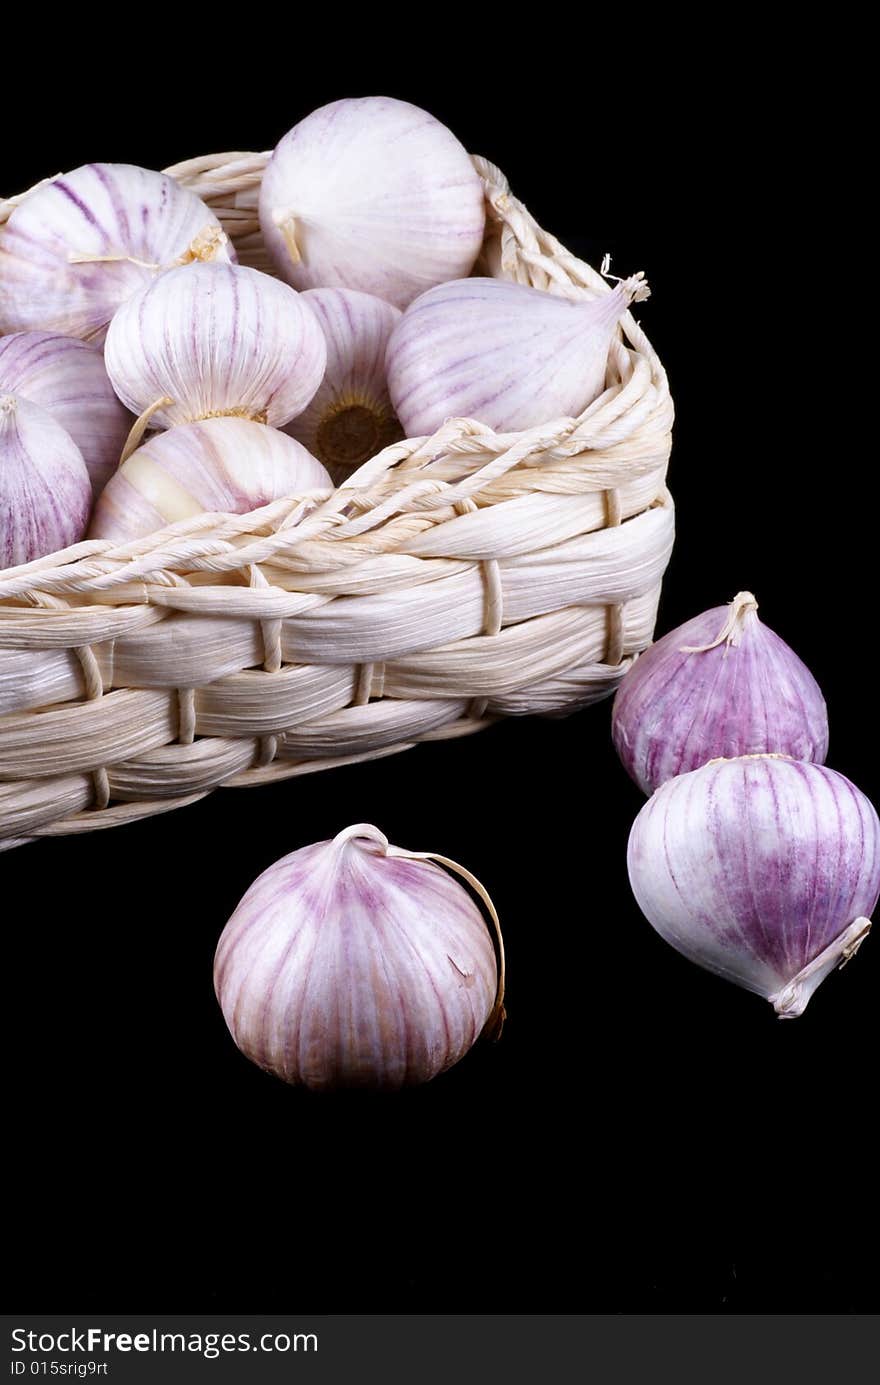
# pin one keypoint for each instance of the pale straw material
(450, 581)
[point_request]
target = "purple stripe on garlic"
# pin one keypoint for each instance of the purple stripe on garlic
(78, 247)
(223, 465)
(45, 493)
(67, 378)
(348, 965)
(216, 339)
(372, 194)
(722, 684)
(508, 356)
(762, 869)
(350, 418)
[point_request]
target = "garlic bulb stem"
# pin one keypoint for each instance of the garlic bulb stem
(495, 1022)
(112, 259)
(140, 425)
(205, 246)
(742, 605)
(365, 831)
(792, 999)
(286, 223)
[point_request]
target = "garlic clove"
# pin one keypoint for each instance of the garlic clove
(77, 247)
(66, 377)
(371, 194)
(721, 685)
(223, 465)
(508, 356)
(45, 493)
(354, 964)
(217, 339)
(350, 418)
(761, 869)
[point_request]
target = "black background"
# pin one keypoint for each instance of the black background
(645, 1137)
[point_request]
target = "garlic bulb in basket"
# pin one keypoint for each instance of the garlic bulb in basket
(79, 246)
(720, 685)
(66, 377)
(226, 465)
(352, 963)
(373, 194)
(45, 493)
(506, 355)
(350, 418)
(761, 869)
(213, 339)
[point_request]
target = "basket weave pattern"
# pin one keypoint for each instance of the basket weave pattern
(452, 580)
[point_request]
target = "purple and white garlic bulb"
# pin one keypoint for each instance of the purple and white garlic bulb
(352, 963)
(720, 685)
(761, 869)
(77, 247)
(221, 465)
(508, 356)
(350, 418)
(45, 492)
(373, 194)
(66, 377)
(213, 340)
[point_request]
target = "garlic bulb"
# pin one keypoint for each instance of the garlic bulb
(45, 494)
(722, 684)
(350, 418)
(371, 194)
(761, 869)
(506, 355)
(79, 246)
(352, 963)
(226, 465)
(66, 377)
(215, 339)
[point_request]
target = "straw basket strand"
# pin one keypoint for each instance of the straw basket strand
(452, 580)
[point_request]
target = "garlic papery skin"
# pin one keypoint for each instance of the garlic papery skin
(508, 356)
(721, 685)
(350, 418)
(66, 377)
(372, 194)
(45, 493)
(79, 246)
(222, 465)
(352, 963)
(762, 869)
(216, 339)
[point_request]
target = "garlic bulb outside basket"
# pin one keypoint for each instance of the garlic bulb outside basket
(352, 963)
(720, 685)
(214, 339)
(350, 418)
(508, 356)
(66, 377)
(45, 493)
(762, 869)
(225, 465)
(79, 246)
(374, 194)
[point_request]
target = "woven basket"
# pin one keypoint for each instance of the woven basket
(451, 581)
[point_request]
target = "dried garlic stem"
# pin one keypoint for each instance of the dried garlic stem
(111, 259)
(139, 427)
(286, 223)
(742, 605)
(792, 1000)
(494, 1024)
